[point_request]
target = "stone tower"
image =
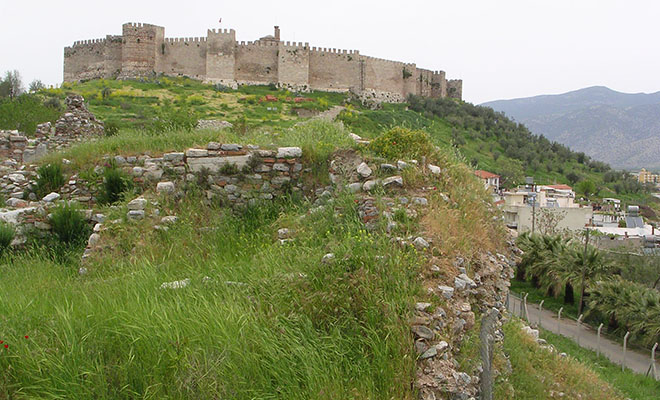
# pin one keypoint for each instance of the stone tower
(141, 44)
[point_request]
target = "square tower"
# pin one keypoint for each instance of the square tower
(141, 43)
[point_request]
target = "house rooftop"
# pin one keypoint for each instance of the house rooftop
(559, 187)
(485, 174)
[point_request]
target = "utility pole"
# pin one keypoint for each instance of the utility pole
(533, 212)
(584, 271)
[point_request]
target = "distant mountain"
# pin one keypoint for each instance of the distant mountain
(621, 129)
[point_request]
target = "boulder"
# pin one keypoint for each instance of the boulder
(51, 197)
(363, 170)
(165, 187)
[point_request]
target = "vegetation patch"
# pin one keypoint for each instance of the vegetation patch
(540, 374)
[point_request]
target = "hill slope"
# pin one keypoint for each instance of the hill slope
(618, 128)
(271, 280)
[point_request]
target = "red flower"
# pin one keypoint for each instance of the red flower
(27, 337)
(6, 346)
(2, 341)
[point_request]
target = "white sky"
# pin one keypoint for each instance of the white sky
(500, 48)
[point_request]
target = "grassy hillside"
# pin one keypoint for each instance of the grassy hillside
(259, 318)
(490, 141)
(133, 104)
(486, 139)
(540, 374)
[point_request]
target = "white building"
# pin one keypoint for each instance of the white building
(538, 206)
(491, 181)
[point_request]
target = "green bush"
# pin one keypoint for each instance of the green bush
(402, 142)
(115, 182)
(69, 225)
(111, 128)
(169, 119)
(7, 234)
(50, 179)
(26, 111)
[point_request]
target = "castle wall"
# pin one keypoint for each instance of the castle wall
(384, 75)
(257, 62)
(85, 60)
(332, 69)
(220, 55)
(183, 57)
(112, 57)
(439, 88)
(293, 63)
(429, 83)
(142, 50)
(455, 89)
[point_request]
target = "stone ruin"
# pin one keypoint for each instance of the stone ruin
(78, 120)
(77, 124)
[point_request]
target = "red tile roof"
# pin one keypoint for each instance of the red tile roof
(485, 174)
(560, 187)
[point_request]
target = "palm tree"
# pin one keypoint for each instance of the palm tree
(629, 307)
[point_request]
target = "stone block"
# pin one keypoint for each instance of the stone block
(173, 157)
(214, 164)
(289, 152)
(195, 153)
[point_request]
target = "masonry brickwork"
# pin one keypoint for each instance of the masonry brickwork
(142, 50)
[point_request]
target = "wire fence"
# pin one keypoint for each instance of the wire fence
(641, 361)
(487, 337)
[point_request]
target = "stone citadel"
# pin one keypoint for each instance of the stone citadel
(143, 50)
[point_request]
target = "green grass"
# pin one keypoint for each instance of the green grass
(131, 104)
(538, 374)
(632, 385)
(317, 138)
(272, 321)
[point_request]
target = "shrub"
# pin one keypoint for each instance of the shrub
(115, 182)
(7, 234)
(25, 112)
(402, 142)
(69, 225)
(50, 179)
(169, 119)
(111, 128)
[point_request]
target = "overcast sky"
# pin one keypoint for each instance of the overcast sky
(500, 48)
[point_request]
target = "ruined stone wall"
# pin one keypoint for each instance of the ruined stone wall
(183, 56)
(332, 69)
(293, 63)
(257, 62)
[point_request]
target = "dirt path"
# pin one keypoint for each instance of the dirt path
(331, 114)
(637, 361)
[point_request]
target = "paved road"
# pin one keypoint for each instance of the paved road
(637, 361)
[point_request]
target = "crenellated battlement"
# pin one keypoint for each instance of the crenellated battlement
(143, 50)
(259, 43)
(221, 31)
(88, 42)
(185, 40)
(294, 45)
(333, 51)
